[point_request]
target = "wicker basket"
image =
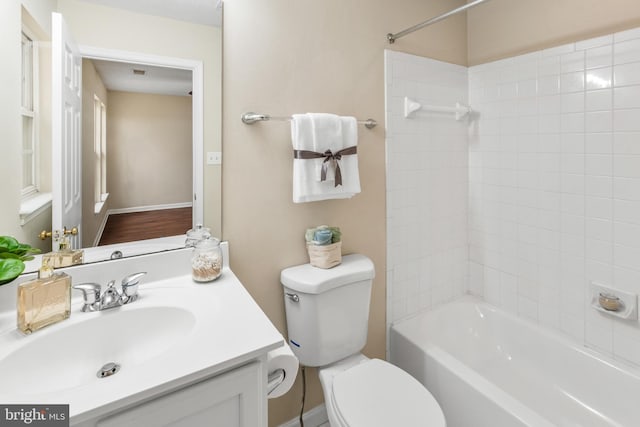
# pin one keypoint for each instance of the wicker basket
(326, 256)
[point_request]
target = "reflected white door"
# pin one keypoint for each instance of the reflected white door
(66, 155)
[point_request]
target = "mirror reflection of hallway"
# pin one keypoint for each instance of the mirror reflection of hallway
(148, 152)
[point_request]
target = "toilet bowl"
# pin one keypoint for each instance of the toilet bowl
(327, 321)
(374, 393)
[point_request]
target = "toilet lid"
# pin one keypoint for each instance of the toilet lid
(379, 394)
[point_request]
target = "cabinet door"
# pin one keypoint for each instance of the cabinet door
(233, 399)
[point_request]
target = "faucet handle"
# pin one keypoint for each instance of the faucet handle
(91, 294)
(130, 285)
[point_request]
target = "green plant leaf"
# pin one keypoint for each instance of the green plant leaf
(10, 268)
(8, 243)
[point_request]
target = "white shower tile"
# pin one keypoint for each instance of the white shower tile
(599, 207)
(559, 50)
(549, 124)
(627, 97)
(599, 143)
(572, 82)
(626, 256)
(572, 163)
(600, 229)
(626, 166)
(541, 197)
(627, 35)
(627, 211)
(626, 52)
(598, 164)
(572, 122)
(549, 84)
(599, 57)
(595, 42)
(599, 186)
(598, 100)
(549, 104)
(571, 62)
(572, 183)
(527, 88)
(626, 234)
(599, 331)
(599, 78)
(626, 344)
(626, 188)
(627, 74)
(601, 252)
(626, 279)
(626, 143)
(626, 120)
(572, 102)
(574, 225)
(549, 66)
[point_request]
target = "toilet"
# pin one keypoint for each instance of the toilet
(327, 320)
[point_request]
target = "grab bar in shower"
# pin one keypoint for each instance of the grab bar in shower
(411, 106)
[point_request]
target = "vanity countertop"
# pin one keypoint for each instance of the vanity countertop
(205, 330)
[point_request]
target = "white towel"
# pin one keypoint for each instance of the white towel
(320, 132)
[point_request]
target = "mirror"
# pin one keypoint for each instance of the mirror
(114, 33)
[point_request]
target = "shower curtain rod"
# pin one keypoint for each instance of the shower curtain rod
(393, 37)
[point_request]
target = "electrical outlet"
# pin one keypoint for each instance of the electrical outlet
(214, 158)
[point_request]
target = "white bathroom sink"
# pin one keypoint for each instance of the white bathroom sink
(175, 334)
(125, 337)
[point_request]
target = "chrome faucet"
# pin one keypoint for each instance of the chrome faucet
(94, 300)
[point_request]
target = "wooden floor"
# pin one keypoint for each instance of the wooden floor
(128, 227)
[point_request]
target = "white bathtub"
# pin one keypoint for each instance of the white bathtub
(488, 368)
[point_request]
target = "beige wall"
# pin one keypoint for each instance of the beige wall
(503, 28)
(149, 149)
(109, 28)
(283, 57)
(91, 85)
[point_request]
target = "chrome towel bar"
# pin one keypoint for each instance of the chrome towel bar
(251, 118)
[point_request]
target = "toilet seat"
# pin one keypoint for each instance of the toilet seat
(378, 394)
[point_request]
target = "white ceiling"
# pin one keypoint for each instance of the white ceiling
(167, 81)
(119, 76)
(205, 12)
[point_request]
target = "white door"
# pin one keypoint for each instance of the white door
(67, 126)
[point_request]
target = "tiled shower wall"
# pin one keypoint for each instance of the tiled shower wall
(427, 166)
(554, 186)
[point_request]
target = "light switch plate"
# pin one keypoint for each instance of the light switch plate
(214, 157)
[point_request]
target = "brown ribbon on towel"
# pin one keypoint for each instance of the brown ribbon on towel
(328, 157)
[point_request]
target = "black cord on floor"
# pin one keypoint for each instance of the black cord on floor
(304, 392)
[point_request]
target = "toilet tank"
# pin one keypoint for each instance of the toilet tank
(328, 309)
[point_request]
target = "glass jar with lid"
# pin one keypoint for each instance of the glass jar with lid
(206, 263)
(195, 234)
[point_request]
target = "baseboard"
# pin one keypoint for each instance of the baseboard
(314, 417)
(103, 224)
(149, 208)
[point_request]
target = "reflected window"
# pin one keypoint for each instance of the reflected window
(100, 153)
(29, 113)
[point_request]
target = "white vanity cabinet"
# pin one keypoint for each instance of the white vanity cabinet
(232, 399)
(191, 355)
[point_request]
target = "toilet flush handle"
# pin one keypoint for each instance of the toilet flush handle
(293, 297)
